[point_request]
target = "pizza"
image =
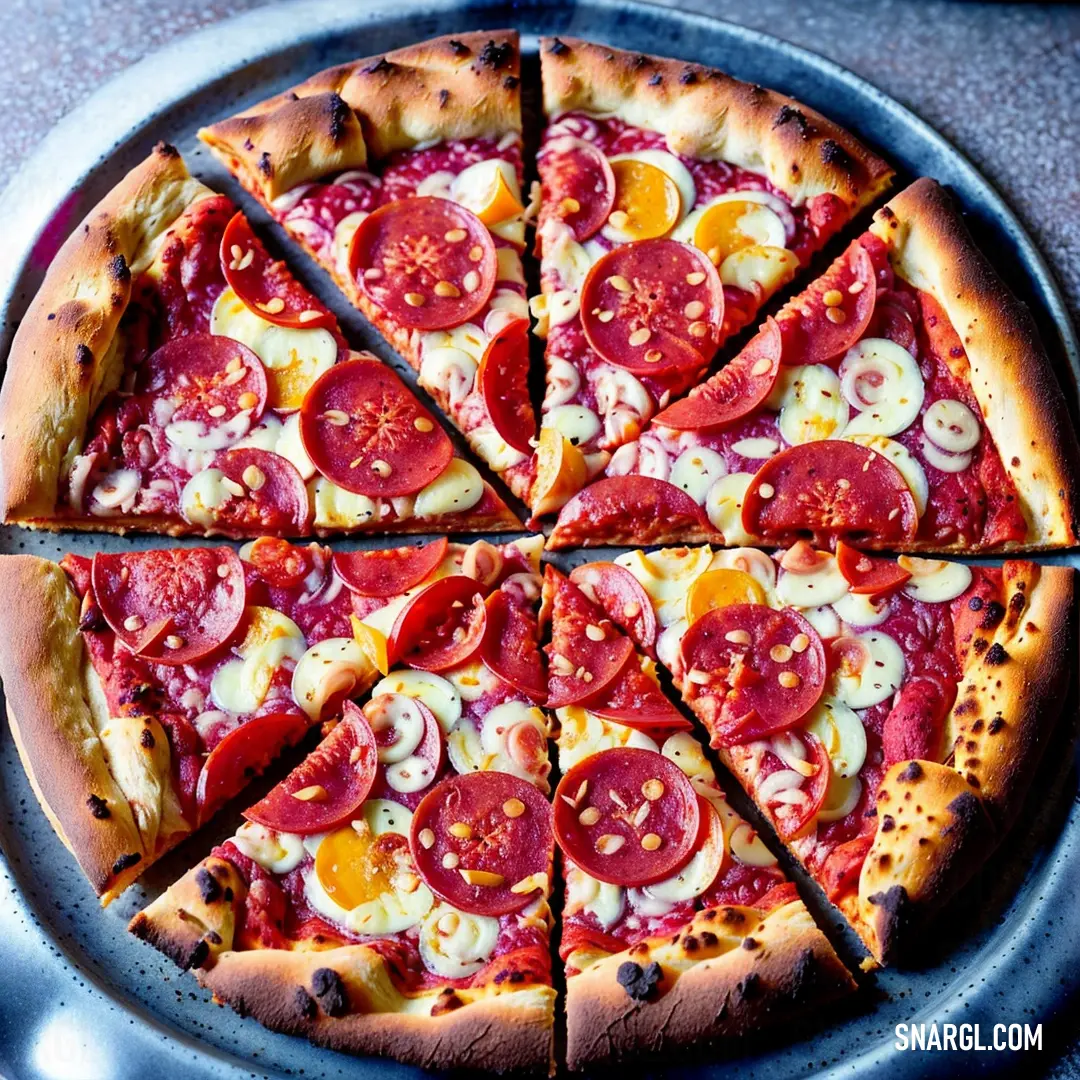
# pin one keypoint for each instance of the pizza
(679, 929)
(146, 688)
(401, 175)
(885, 714)
(171, 377)
(676, 201)
(902, 402)
(390, 895)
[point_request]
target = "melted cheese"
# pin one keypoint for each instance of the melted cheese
(952, 426)
(437, 693)
(327, 669)
(454, 944)
(336, 508)
(448, 371)
(724, 504)
(343, 235)
(278, 853)
(841, 733)
(879, 678)
(203, 495)
(810, 403)
(906, 463)
(271, 640)
(857, 609)
(459, 488)
(605, 902)
(563, 383)
(583, 734)
(696, 470)
(822, 585)
(934, 581)
(576, 423)
(881, 380)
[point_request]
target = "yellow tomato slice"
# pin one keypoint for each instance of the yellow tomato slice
(372, 642)
(501, 203)
(560, 472)
(727, 227)
(647, 200)
(721, 588)
(355, 867)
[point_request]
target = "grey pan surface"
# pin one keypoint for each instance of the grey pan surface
(81, 1000)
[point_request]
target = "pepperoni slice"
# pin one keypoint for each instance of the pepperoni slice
(482, 842)
(841, 869)
(264, 285)
(199, 592)
(622, 599)
(510, 649)
(326, 789)
(914, 725)
(364, 431)
(637, 701)
(210, 380)
(578, 185)
(829, 489)
(391, 571)
(410, 743)
(637, 509)
(653, 307)
(268, 494)
(279, 563)
(586, 653)
(762, 670)
(894, 318)
(869, 575)
(794, 819)
(441, 626)
(242, 754)
(503, 379)
(601, 825)
(848, 290)
(734, 391)
(427, 262)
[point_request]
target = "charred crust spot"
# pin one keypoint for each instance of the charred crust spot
(996, 654)
(166, 150)
(213, 937)
(995, 725)
(805, 976)
(265, 165)
(209, 889)
(640, 61)
(965, 809)
(83, 356)
(976, 602)
(510, 82)
(382, 66)
(979, 645)
(834, 155)
(888, 823)
(496, 55)
(444, 97)
(228, 894)
(329, 990)
(92, 619)
(197, 957)
(964, 707)
(639, 982)
(146, 739)
(304, 1003)
(993, 613)
(709, 915)
(656, 79)
(691, 944)
(446, 1002)
(749, 944)
(688, 77)
(459, 48)
(912, 773)
(1017, 601)
(99, 808)
(118, 270)
(787, 114)
(558, 48)
(126, 862)
(749, 987)
(249, 145)
(640, 949)
(339, 115)
(896, 910)
(709, 939)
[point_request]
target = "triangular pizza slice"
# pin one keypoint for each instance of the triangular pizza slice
(886, 715)
(401, 175)
(679, 929)
(676, 201)
(146, 688)
(390, 896)
(902, 401)
(170, 376)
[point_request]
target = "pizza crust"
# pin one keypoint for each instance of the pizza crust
(64, 357)
(709, 115)
(488, 1028)
(1011, 376)
(452, 87)
(731, 972)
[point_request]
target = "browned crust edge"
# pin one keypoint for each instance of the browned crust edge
(451, 87)
(707, 114)
(733, 972)
(1011, 375)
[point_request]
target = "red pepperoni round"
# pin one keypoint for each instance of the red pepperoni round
(622, 599)
(364, 431)
(734, 391)
(765, 670)
(632, 509)
(635, 304)
(894, 318)
(476, 837)
(405, 763)
(637, 701)
(794, 819)
(811, 335)
(265, 285)
(273, 499)
(198, 592)
(243, 753)
(427, 262)
(600, 824)
(279, 563)
(914, 725)
(510, 649)
(503, 378)
(869, 575)
(441, 626)
(327, 788)
(830, 489)
(841, 869)
(390, 571)
(210, 380)
(578, 185)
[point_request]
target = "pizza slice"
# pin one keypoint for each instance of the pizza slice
(170, 376)
(902, 401)
(401, 175)
(390, 896)
(678, 927)
(145, 688)
(886, 715)
(676, 201)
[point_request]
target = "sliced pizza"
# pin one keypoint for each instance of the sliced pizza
(145, 688)
(902, 402)
(170, 376)
(886, 715)
(401, 175)
(676, 201)
(679, 929)
(390, 896)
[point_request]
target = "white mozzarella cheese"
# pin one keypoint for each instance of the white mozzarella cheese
(882, 381)
(824, 584)
(668, 641)
(474, 186)
(823, 619)
(508, 266)
(879, 674)
(906, 463)
(194, 435)
(343, 235)
(696, 470)
(583, 734)
(472, 681)
(605, 902)
(667, 575)
(117, 490)
(459, 488)
(493, 449)
(747, 847)
(858, 609)
(724, 504)
(563, 383)
(759, 268)
(810, 403)
(614, 387)
(934, 581)
(750, 561)
(240, 685)
(576, 423)
(952, 426)
(565, 256)
(438, 694)
(454, 944)
(757, 448)
(203, 495)
(841, 798)
(278, 853)
(447, 371)
(693, 879)
(283, 439)
(841, 733)
(942, 459)
(399, 714)
(559, 308)
(336, 508)
(328, 668)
